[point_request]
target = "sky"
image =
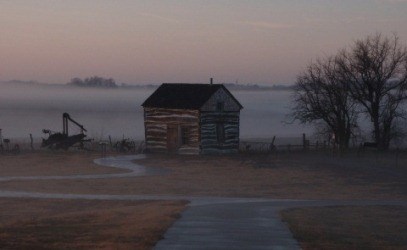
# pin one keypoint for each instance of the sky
(154, 41)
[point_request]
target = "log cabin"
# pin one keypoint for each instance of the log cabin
(192, 119)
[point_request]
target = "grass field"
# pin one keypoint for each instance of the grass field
(372, 227)
(112, 224)
(82, 224)
(298, 176)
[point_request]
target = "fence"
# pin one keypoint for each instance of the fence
(28, 144)
(285, 144)
(288, 144)
(274, 144)
(254, 145)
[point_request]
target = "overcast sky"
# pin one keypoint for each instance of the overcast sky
(154, 41)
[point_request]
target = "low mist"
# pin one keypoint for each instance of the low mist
(26, 109)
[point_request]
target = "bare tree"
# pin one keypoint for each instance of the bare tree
(319, 97)
(375, 69)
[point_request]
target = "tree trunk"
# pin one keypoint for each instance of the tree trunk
(377, 133)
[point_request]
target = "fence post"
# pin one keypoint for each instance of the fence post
(103, 145)
(31, 142)
(305, 142)
(7, 144)
(110, 142)
(397, 157)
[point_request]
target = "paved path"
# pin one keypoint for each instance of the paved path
(241, 224)
(229, 226)
(209, 222)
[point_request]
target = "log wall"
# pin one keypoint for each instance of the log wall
(202, 126)
(157, 121)
(209, 135)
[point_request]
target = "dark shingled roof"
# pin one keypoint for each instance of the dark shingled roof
(182, 95)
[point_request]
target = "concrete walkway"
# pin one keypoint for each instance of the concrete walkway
(229, 226)
(241, 224)
(209, 222)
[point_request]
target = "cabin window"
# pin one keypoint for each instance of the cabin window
(220, 106)
(184, 135)
(220, 132)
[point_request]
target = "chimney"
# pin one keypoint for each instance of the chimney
(211, 80)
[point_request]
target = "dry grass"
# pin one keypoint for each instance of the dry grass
(52, 163)
(373, 227)
(30, 223)
(300, 176)
(79, 224)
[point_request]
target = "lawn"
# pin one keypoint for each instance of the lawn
(289, 176)
(84, 224)
(121, 225)
(353, 227)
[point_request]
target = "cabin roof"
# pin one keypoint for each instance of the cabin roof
(183, 95)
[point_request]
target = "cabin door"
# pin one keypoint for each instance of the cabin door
(172, 138)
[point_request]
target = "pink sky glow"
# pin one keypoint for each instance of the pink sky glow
(151, 41)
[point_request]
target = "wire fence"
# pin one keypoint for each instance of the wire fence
(305, 143)
(29, 144)
(254, 145)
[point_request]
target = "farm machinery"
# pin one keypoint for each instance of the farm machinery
(64, 140)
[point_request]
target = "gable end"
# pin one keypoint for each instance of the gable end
(222, 99)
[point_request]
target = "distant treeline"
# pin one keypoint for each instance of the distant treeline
(100, 82)
(235, 86)
(19, 82)
(94, 81)
(231, 86)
